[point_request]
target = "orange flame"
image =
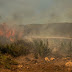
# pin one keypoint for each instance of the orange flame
(6, 32)
(1, 33)
(9, 33)
(12, 40)
(13, 32)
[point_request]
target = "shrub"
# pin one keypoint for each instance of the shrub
(42, 49)
(69, 50)
(16, 49)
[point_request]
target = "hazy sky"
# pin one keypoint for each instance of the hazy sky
(35, 11)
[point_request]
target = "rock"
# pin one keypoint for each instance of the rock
(52, 58)
(20, 66)
(69, 64)
(27, 67)
(47, 59)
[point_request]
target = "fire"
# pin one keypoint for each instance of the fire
(12, 40)
(13, 32)
(1, 33)
(7, 32)
(10, 33)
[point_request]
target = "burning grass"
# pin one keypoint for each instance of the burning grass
(39, 49)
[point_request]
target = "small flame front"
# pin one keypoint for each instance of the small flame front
(7, 32)
(10, 33)
(11, 39)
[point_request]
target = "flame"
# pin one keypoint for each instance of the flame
(13, 32)
(9, 32)
(1, 33)
(12, 40)
(6, 32)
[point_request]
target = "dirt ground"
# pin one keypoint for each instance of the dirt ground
(30, 64)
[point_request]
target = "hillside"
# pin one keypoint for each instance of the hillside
(48, 30)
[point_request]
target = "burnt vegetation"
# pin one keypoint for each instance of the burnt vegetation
(41, 49)
(21, 47)
(37, 48)
(15, 49)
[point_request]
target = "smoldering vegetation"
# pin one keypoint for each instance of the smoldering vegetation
(39, 47)
(40, 39)
(53, 47)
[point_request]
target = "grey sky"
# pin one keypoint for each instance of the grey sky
(35, 11)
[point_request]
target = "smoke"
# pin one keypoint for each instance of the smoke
(35, 11)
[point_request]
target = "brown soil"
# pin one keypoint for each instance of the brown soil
(30, 64)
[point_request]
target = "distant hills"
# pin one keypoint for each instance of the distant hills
(48, 30)
(54, 30)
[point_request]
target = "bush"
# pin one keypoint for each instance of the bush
(69, 50)
(42, 49)
(16, 49)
